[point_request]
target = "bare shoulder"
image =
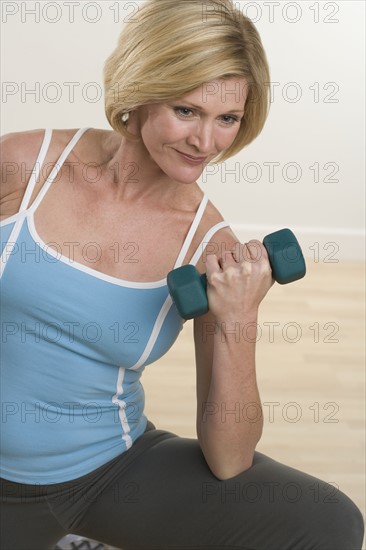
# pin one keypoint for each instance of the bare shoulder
(222, 239)
(19, 152)
(17, 147)
(224, 235)
(25, 146)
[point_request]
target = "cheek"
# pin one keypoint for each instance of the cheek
(172, 129)
(226, 139)
(160, 131)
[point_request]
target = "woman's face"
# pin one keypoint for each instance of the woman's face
(183, 135)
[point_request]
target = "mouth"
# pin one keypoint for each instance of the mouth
(190, 158)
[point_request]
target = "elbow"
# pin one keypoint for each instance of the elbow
(227, 459)
(223, 472)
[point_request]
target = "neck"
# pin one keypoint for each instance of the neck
(133, 175)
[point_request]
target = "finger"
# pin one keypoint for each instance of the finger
(258, 253)
(247, 253)
(212, 264)
(228, 258)
(255, 251)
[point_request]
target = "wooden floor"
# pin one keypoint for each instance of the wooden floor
(311, 376)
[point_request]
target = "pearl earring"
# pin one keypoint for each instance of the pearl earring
(125, 117)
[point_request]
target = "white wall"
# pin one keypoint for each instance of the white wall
(313, 140)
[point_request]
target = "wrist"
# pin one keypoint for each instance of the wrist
(231, 319)
(237, 330)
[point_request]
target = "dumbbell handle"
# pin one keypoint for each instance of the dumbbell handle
(188, 288)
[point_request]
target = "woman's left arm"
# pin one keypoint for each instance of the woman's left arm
(229, 415)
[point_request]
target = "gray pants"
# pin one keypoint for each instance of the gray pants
(161, 495)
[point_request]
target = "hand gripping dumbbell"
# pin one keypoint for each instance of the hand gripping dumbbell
(188, 287)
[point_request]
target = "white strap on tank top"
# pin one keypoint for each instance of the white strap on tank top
(201, 247)
(9, 248)
(33, 181)
(65, 153)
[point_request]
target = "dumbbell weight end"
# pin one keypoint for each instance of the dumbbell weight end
(285, 256)
(188, 291)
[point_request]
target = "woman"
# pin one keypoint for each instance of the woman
(86, 308)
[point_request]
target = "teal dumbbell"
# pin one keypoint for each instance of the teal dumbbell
(188, 288)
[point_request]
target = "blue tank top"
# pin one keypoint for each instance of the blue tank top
(74, 345)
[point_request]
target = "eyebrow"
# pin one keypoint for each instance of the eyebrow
(199, 108)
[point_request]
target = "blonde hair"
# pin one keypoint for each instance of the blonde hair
(173, 48)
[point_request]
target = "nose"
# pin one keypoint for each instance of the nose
(202, 137)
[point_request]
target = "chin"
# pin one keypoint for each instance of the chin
(186, 180)
(184, 176)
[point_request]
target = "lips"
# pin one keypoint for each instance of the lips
(197, 160)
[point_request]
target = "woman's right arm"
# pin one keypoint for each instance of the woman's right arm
(19, 151)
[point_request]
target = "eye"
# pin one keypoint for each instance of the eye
(228, 119)
(184, 112)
